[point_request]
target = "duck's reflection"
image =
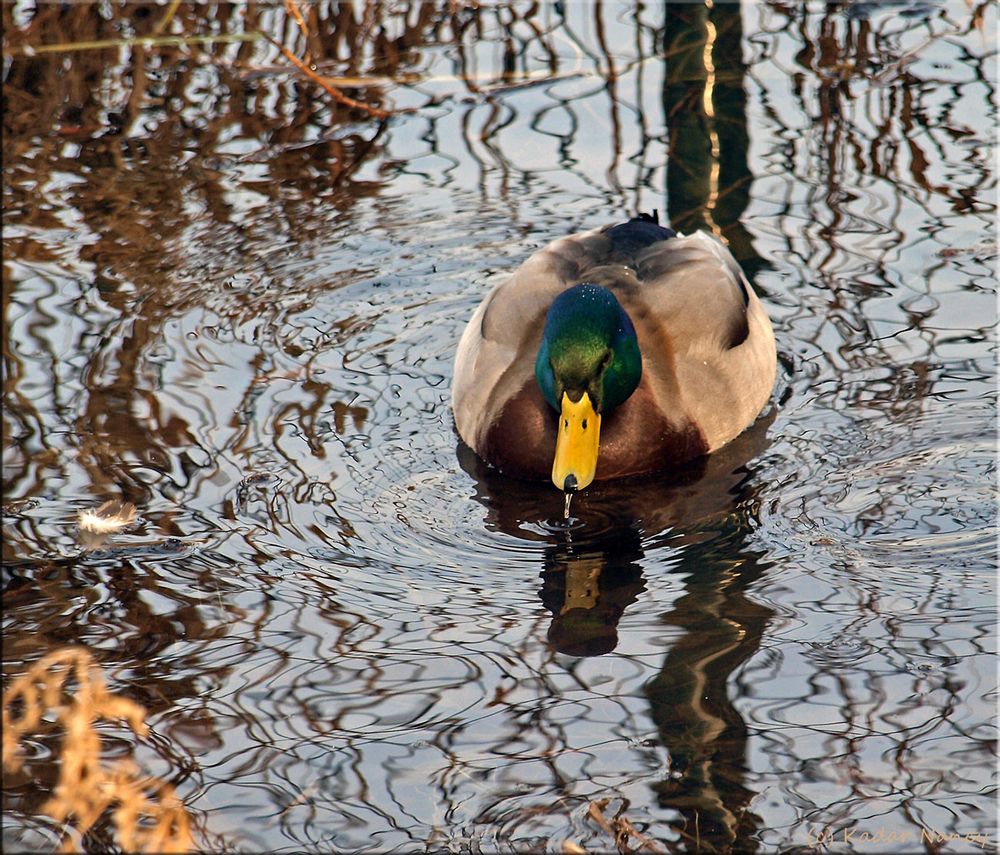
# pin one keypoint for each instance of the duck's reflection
(587, 588)
(695, 526)
(592, 561)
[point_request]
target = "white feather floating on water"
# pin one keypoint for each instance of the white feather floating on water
(114, 514)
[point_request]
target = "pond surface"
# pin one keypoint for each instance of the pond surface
(235, 302)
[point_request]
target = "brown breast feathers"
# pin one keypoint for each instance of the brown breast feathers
(636, 438)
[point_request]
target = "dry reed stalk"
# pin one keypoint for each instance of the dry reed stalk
(138, 41)
(147, 815)
(168, 16)
(620, 828)
(334, 93)
(293, 10)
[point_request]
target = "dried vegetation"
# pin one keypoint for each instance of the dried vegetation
(67, 690)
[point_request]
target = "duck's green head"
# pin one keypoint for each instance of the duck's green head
(588, 364)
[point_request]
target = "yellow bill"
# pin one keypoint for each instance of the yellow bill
(576, 445)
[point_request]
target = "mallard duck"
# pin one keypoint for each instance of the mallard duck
(625, 350)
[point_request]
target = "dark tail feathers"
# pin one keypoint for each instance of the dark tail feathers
(628, 239)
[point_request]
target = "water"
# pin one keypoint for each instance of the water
(236, 306)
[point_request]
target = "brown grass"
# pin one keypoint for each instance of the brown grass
(620, 829)
(146, 814)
